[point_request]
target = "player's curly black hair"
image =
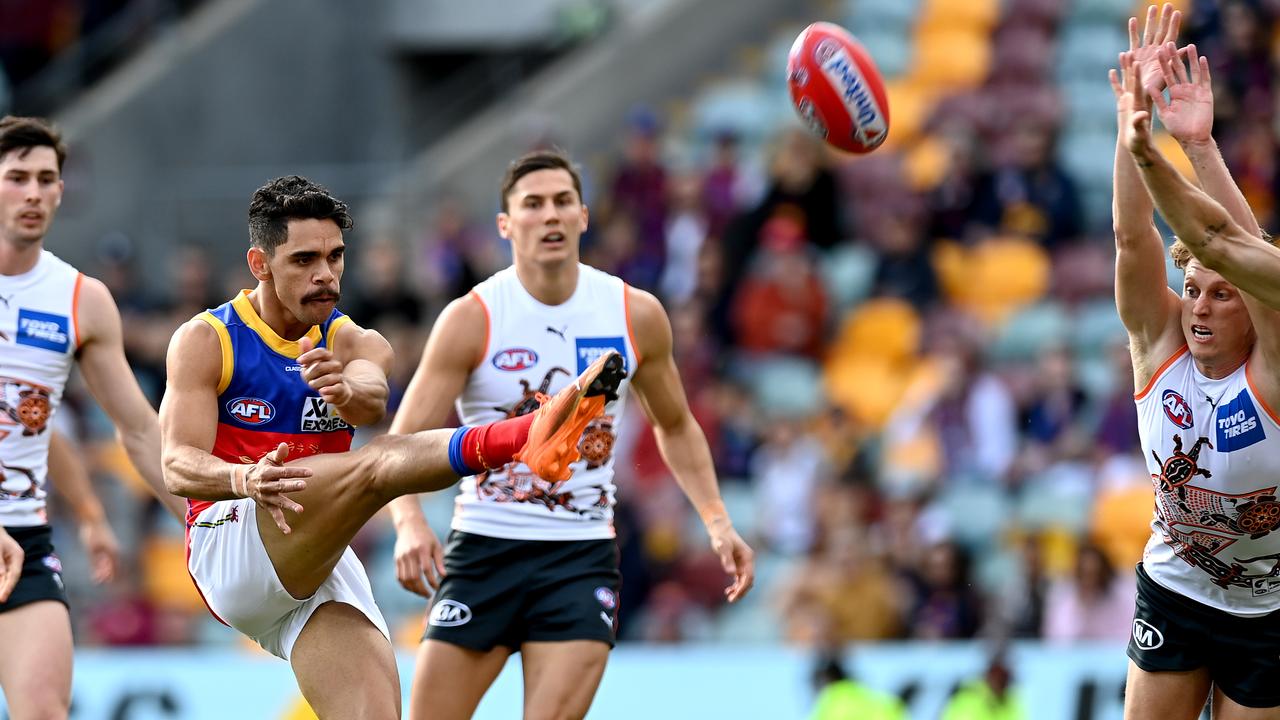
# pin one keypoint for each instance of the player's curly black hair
(291, 198)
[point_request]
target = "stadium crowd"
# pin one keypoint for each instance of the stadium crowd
(908, 365)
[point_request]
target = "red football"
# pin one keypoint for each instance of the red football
(837, 89)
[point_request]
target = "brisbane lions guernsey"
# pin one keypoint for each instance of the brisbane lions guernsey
(534, 348)
(1213, 450)
(262, 398)
(38, 342)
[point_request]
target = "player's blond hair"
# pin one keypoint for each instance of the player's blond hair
(1182, 256)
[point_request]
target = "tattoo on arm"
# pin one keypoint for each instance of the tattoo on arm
(1213, 231)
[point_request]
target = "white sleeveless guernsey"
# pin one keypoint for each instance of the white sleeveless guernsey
(38, 341)
(532, 348)
(1213, 450)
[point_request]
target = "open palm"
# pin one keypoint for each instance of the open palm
(1188, 114)
(1156, 32)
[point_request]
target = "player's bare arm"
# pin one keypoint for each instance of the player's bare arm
(1201, 222)
(107, 373)
(70, 479)
(1188, 116)
(352, 376)
(1146, 305)
(680, 439)
(452, 351)
(189, 426)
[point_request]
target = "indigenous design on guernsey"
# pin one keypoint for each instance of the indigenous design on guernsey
(1213, 450)
(534, 349)
(38, 341)
(262, 399)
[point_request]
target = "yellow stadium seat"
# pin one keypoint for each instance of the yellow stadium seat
(869, 388)
(951, 58)
(996, 277)
(927, 163)
(1122, 523)
(970, 14)
(1173, 151)
(910, 104)
(883, 328)
(164, 575)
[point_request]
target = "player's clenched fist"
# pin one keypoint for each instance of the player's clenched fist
(323, 372)
(267, 481)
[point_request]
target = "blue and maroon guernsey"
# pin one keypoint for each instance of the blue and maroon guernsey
(262, 399)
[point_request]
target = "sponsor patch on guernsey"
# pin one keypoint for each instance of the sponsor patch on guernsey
(1237, 424)
(319, 416)
(590, 348)
(43, 330)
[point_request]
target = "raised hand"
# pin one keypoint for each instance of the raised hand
(1156, 33)
(1129, 97)
(323, 372)
(1135, 130)
(1188, 114)
(267, 481)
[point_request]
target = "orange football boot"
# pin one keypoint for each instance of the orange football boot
(557, 425)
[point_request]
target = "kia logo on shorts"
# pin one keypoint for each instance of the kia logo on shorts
(515, 359)
(1145, 635)
(449, 613)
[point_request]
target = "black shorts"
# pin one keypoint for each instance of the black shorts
(41, 570)
(1172, 633)
(506, 592)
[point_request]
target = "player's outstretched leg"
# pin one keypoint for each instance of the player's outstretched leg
(346, 489)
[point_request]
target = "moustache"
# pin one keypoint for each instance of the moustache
(322, 295)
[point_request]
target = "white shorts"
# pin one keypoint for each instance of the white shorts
(234, 574)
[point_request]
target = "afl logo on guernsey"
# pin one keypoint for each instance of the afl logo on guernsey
(515, 359)
(251, 411)
(1177, 409)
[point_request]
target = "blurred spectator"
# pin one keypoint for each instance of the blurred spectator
(944, 605)
(906, 267)
(990, 697)
(1023, 601)
(1117, 427)
(1093, 604)
(971, 414)
(840, 697)
(1027, 192)
(782, 307)
(380, 297)
(639, 189)
(454, 254)
(686, 232)
(785, 474)
(727, 186)
(816, 607)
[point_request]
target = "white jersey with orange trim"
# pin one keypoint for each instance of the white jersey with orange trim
(1213, 450)
(38, 342)
(535, 348)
